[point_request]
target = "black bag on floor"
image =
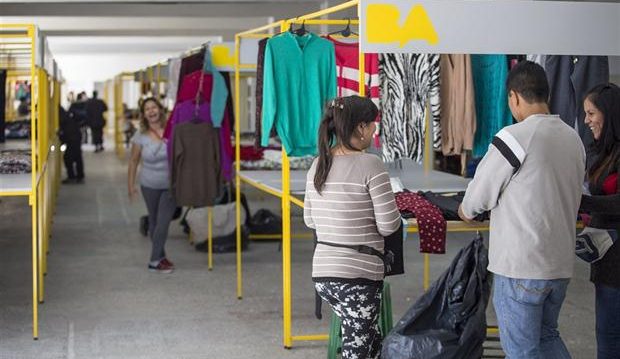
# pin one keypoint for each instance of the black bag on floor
(226, 244)
(265, 222)
(449, 320)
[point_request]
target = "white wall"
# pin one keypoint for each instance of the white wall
(88, 59)
(81, 71)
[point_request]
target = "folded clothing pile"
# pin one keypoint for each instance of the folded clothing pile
(15, 162)
(270, 159)
(17, 129)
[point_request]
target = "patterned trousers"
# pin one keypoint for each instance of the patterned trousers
(357, 305)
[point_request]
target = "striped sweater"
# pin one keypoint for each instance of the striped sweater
(356, 207)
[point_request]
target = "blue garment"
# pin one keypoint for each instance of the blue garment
(492, 111)
(607, 322)
(527, 314)
(219, 93)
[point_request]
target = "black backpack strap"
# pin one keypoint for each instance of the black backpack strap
(360, 248)
(318, 302)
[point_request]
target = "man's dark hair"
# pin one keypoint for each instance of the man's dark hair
(95, 93)
(529, 80)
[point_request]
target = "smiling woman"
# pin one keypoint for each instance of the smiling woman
(602, 108)
(149, 149)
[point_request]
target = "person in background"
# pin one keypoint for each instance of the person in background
(77, 109)
(70, 135)
(531, 180)
(149, 149)
(602, 108)
(95, 108)
(349, 201)
(128, 128)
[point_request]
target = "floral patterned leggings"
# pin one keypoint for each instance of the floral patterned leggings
(357, 305)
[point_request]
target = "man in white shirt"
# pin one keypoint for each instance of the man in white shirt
(530, 180)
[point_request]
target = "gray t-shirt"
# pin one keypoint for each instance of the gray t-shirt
(154, 172)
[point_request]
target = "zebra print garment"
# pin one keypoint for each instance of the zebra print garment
(408, 81)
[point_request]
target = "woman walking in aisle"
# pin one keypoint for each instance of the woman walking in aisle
(602, 108)
(349, 202)
(149, 149)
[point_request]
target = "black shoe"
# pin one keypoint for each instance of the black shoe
(144, 225)
(79, 181)
(69, 181)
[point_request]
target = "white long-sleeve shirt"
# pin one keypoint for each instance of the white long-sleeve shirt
(530, 180)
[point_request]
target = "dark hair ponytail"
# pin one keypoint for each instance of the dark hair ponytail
(606, 98)
(340, 120)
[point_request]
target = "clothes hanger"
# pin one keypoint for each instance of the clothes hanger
(346, 32)
(302, 30)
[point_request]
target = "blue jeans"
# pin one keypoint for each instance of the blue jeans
(608, 322)
(527, 314)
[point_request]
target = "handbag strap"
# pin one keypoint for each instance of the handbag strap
(360, 248)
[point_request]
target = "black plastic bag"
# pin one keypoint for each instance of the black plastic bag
(449, 320)
(227, 243)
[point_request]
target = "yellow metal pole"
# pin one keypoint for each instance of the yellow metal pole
(33, 194)
(331, 10)
(362, 74)
(311, 337)
(238, 165)
(286, 243)
(210, 238)
(43, 98)
(42, 142)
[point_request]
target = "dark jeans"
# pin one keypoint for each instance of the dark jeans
(97, 134)
(161, 207)
(608, 322)
(73, 161)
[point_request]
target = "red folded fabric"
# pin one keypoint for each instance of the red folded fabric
(431, 223)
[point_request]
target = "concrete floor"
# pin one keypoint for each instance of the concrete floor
(101, 302)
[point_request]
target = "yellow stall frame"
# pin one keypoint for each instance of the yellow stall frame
(43, 184)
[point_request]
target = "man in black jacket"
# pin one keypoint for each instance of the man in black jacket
(94, 112)
(71, 136)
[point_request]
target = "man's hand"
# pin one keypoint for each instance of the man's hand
(463, 217)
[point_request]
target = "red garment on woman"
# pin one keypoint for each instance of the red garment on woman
(431, 223)
(610, 185)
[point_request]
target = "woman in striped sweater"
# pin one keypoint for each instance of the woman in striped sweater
(349, 202)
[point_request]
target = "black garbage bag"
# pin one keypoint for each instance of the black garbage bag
(449, 320)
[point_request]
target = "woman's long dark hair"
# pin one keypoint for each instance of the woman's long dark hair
(340, 120)
(606, 98)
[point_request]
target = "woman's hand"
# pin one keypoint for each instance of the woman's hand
(132, 193)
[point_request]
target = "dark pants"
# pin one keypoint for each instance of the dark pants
(73, 161)
(97, 134)
(357, 306)
(161, 207)
(608, 322)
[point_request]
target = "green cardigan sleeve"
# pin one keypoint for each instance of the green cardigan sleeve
(270, 99)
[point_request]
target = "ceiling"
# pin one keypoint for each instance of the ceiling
(95, 40)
